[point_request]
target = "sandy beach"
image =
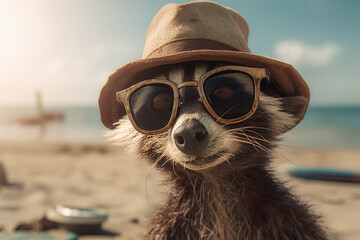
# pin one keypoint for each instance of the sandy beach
(83, 174)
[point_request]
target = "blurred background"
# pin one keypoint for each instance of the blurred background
(59, 53)
(55, 55)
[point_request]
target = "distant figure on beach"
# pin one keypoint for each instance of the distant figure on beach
(208, 113)
(3, 179)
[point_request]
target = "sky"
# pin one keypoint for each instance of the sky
(66, 49)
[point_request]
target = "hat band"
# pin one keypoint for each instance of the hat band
(191, 44)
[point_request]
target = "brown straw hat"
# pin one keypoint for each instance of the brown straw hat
(196, 31)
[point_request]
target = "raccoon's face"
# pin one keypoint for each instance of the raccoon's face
(197, 141)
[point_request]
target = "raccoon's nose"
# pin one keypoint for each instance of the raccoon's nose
(191, 137)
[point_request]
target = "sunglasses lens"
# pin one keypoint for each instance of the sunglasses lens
(151, 106)
(230, 94)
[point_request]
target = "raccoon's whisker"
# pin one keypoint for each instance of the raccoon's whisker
(262, 146)
(184, 165)
(194, 189)
(296, 147)
(202, 191)
(243, 140)
(269, 152)
(254, 141)
(222, 157)
(256, 138)
(254, 144)
(174, 170)
(246, 129)
(254, 132)
(283, 156)
(279, 144)
(150, 170)
(257, 127)
(240, 139)
(165, 162)
(251, 140)
(226, 112)
(262, 138)
(155, 163)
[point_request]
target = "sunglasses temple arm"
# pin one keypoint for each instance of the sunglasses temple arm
(120, 98)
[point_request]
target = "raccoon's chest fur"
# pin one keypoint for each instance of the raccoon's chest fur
(250, 206)
(237, 197)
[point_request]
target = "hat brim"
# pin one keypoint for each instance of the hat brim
(284, 77)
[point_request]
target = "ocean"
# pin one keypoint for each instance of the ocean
(78, 124)
(328, 126)
(322, 127)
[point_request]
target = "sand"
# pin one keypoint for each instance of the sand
(41, 175)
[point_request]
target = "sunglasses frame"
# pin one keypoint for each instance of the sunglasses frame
(256, 74)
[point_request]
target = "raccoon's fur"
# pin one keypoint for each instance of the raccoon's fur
(233, 194)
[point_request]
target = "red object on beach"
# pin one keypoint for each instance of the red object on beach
(27, 121)
(35, 121)
(54, 117)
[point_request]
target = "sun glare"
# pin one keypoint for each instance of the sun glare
(18, 28)
(23, 36)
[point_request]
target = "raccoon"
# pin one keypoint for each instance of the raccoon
(221, 184)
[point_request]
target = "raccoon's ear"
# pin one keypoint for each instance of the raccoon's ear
(295, 107)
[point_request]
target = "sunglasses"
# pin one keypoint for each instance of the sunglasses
(229, 93)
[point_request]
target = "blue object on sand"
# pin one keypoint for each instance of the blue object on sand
(71, 236)
(325, 174)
